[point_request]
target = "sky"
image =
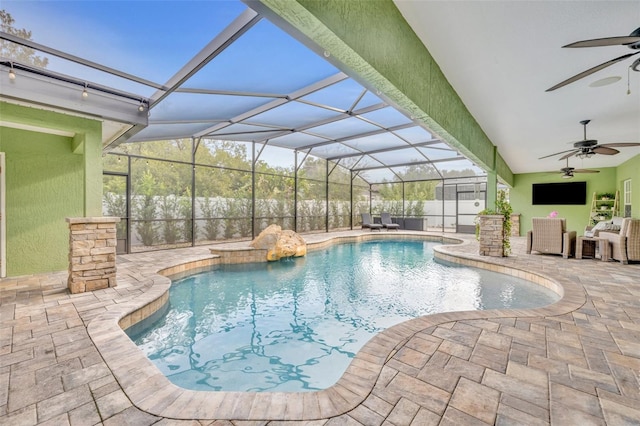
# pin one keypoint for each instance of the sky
(145, 38)
(154, 40)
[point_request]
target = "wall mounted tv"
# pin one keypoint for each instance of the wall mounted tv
(559, 193)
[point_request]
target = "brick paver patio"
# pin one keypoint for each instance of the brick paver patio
(575, 362)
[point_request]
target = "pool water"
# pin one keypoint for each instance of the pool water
(295, 325)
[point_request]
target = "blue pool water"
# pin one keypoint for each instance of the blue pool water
(295, 325)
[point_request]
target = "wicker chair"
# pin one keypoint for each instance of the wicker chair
(549, 236)
(625, 245)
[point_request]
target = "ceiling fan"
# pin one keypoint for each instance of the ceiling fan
(587, 148)
(632, 41)
(567, 172)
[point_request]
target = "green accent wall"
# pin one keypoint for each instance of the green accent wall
(630, 170)
(375, 44)
(46, 182)
(577, 216)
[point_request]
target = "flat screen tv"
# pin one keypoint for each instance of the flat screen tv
(559, 193)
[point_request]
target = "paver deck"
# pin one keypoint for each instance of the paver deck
(62, 360)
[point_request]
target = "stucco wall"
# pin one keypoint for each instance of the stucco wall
(577, 215)
(48, 178)
(630, 170)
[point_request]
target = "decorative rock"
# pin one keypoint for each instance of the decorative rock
(279, 243)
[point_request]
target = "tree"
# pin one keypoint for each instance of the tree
(144, 210)
(16, 52)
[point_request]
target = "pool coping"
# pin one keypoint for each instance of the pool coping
(149, 390)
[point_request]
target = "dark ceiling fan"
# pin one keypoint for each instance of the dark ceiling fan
(587, 148)
(567, 172)
(632, 41)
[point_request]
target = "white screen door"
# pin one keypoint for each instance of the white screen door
(626, 198)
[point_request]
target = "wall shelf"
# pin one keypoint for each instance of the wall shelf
(603, 208)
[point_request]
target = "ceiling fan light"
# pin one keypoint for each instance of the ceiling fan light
(606, 81)
(567, 176)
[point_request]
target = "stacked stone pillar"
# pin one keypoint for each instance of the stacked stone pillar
(515, 225)
(491, 235)
(92, 253)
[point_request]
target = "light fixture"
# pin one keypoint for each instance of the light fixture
(606, 81)
(85, 94)
(12, 74)
(585, 154)
(141, 106)
(326, 54)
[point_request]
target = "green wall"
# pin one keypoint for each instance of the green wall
(49, 177)
(630, 170)
(577, 216)
(372, 40)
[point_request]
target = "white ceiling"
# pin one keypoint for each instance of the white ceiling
(501, 56)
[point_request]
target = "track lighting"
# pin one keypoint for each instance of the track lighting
(12, 74)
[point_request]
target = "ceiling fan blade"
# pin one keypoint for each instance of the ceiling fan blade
(619, 144)
(573, 152)
(590, 71)
(607, 41)
(558, 153)
(604, 150)
(585, 171)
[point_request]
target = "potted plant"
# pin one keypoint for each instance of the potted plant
(502, 212)
(607, 196)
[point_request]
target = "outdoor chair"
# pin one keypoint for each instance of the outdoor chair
(368, 223)
(625, 244)
(385, 218)
(549, 236)
(613, 226)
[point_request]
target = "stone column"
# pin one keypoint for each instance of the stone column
(92, 253)
(515, 225)
(491, 234)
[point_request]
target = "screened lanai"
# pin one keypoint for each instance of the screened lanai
(216, 130)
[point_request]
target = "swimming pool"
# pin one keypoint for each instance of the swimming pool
(295, 325)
